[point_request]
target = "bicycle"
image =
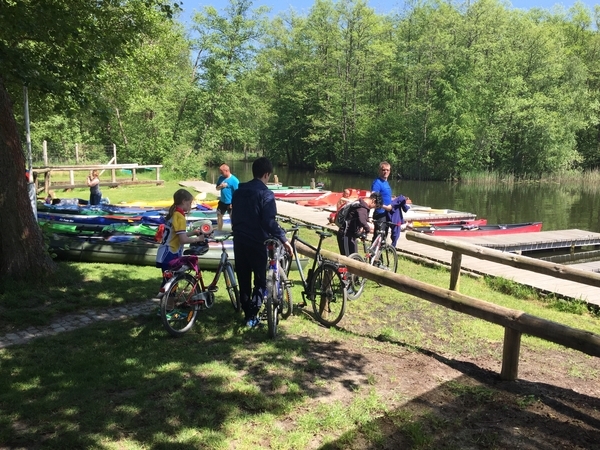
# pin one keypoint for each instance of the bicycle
(278, 301)
(186, 293)
(379, 254)
(325, 282)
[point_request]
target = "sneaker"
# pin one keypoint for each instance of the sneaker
(253, 323)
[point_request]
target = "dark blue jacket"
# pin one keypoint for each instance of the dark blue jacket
(253, 213)
(398, 206)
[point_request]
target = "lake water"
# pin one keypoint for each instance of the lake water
(559, 207)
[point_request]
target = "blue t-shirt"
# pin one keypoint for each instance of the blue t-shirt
(385, 189)
(227, 192)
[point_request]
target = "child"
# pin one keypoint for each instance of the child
(93, 181)
(357, 221)
(345, 198)
(175, 232)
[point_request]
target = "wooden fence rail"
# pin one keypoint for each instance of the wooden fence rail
(47, 171)
(514, 322)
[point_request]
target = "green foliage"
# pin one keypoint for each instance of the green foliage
(439, 90)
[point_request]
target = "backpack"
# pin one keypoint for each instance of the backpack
(342, 215)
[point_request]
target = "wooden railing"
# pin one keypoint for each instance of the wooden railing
(47, 171)
(515, 322)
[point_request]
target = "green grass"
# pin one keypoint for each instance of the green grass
(128, 385)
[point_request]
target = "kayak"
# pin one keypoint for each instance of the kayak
(129, 249)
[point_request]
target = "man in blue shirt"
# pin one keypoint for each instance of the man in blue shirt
(253, 222)
(227, 183)
(381, 185)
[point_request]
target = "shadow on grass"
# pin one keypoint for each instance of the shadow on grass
(129, 382)
(74, 287)
(477, 409)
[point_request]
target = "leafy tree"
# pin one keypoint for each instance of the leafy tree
(52, 46)
(226, 47)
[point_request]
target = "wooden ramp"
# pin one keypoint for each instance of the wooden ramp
(548, 284)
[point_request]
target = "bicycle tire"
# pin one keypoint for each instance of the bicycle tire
(388, 259)
(271, 307)
(176, 314)
(286, 305)
(328, 294)
(232, 288)
(356, 284)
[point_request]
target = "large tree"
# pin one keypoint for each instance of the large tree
(53, 46)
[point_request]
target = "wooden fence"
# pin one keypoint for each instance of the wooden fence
(47, 171)
(515, 322)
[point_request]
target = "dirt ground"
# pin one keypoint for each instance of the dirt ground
(443, 402)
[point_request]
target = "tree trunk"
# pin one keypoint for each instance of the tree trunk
(22, 251)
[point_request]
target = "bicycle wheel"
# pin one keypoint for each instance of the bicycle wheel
(328, 294)
(176, 313)
(271, 306)
(388, 259)
(232, 288)
(356, 284)
(286, 305)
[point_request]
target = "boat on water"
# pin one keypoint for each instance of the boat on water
(481, 230)
(128, 249)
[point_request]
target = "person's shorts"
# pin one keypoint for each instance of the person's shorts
(223, 208)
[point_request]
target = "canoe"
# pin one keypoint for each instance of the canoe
(104, 219)
(105, 230)
(329, 199)
(128, 249)
(294, 195)
(483, 230)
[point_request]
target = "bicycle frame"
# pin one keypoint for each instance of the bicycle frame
(373, 251)
(317, 261)
(189, 263)
(318, 258)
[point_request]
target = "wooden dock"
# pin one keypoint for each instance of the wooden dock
(545, 239)
(531, 241)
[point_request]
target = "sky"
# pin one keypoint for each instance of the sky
(380, 6)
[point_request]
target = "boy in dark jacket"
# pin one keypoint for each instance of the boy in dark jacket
(356, 222)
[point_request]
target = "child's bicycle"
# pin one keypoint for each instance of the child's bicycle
(186, 293)
(278, 297)
(378, 254)
(325, 283)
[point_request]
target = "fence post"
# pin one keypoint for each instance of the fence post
(77, 153)
(455, 271)
(115, 153)
(510, 354)
(45, 152)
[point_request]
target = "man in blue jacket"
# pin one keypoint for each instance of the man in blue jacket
(253, 222)
(381, 185)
